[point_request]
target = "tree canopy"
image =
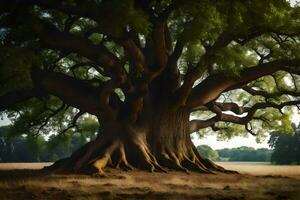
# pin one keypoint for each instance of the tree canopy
(208, 152)
(142, 67)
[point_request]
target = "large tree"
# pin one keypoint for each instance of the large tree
(141, 67)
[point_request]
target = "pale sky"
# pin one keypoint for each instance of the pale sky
(294, 1)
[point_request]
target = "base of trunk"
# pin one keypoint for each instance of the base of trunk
(132, 154)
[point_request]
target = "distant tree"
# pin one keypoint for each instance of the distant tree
(286, 147)
(34, 148)
(245, 154)
(19, 149)
(208, 152)
(5, 147)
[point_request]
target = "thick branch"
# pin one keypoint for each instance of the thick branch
(10, 99)
(85, 9)
(192, 75)
(214, 85)
(73, 123)
(72, 91)
(195, 125)
(55, 39)
(55, 112)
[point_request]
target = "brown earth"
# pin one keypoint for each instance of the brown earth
(257, 182)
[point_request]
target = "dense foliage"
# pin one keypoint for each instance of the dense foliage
(136, 70)
(208, 152)
(36, 148)
(248, 154)
(286, 147)
(254, 32)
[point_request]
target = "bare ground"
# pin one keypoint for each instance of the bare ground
(257, 182)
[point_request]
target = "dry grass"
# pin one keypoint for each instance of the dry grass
(263, 168)
(13, 166)
(269, 182)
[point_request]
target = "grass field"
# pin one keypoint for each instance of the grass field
(261, 168)
(257, 181)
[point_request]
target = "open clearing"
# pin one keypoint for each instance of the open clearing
(257, 181)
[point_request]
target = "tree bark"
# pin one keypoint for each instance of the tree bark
(161, 142)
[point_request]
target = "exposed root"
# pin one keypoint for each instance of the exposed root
(101, 163)
(149, 158)
(88, 151)
(182, 162)
(171, 164)
(96, 156)
(195, 166)
(123, 163)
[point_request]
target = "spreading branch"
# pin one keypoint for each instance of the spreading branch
(268, 95)
(55, 39)
(211, 88)
(10, 99)
(195, 125)
(74, 92)
(73, 123)
(46, 121)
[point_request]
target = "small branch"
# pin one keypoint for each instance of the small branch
(10, 99)
(267, 95)
(74, 44)
(167, 12)
(213, 86)
(233, 107)
(73, 123)
(50, 116)
(70, 22)
(250, 130)
(220, 116)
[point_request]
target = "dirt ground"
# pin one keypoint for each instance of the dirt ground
(256, 182)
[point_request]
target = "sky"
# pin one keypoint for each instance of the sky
(4, 121)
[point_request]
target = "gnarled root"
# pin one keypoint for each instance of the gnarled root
(183, 162)
(135, 153)
(95, 156)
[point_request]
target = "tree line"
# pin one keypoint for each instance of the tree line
(285, 149)
(242, 153)
(37, 148)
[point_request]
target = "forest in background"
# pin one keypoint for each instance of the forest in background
(243, 154)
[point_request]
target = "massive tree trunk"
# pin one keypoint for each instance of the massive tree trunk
(159, 142)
